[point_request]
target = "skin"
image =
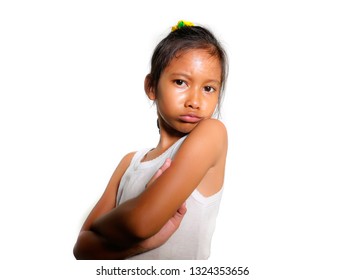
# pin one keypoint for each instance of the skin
(91, 245)
(186, 97)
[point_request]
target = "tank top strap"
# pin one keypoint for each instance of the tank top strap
(138, 156)
(176, 146)
(170, 153)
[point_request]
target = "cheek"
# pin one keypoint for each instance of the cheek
(172, 98)
(163, 106)
(211, 102)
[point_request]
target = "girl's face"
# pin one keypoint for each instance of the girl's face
(188, 90)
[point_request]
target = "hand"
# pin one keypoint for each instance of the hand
(171, 226)
(159, 172)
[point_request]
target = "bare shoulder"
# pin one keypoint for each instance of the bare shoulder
(125, 162)
(210, 132)
(119, 171)
(108, 199)
(128, 157)
(211, 126)
(208, 140)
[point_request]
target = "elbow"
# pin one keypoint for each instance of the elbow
(81, 250)
(77, 251)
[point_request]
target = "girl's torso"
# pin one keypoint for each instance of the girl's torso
(192, 240)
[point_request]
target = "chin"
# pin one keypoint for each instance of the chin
(179, 128)
(187, 128)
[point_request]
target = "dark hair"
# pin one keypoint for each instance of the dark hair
(183, 39)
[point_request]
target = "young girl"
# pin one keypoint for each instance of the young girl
(162, 203)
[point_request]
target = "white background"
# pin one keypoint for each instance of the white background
(72, 104)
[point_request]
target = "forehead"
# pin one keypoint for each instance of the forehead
(196, 61)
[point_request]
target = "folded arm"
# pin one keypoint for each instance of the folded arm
(142, 217)
(91, 245)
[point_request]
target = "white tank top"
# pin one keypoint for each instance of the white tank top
(192, 240)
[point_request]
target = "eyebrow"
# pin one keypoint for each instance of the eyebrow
(188, 76)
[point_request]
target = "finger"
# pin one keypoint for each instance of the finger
(157, 174)
(165, 165)
(178, 216)
(160, 171)
(183, 209)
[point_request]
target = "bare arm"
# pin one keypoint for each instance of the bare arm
(145, 215)
(91, 245)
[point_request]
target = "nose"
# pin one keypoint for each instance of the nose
(193, 99)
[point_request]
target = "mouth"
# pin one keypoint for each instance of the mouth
(190, 118)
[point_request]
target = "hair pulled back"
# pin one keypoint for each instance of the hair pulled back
(183, 39)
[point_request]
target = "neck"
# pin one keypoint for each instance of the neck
(168, 135)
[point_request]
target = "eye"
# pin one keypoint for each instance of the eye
(209, 89)
(179, 82)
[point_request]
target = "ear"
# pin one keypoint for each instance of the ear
(149, 89)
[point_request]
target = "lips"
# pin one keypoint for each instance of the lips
(190, 118)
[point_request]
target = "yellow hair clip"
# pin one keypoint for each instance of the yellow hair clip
(181, 24)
